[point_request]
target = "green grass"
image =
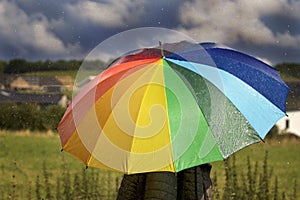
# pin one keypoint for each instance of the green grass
(283, 162)
(22, 157)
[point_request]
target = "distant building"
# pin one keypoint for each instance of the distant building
(44, 99)
(290, 123)
(45, 83)
(2, 86)
(66, 81)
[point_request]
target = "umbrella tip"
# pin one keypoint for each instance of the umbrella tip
(262, 140)
(161, 49)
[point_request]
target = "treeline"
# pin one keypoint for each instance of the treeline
(28, 116)
(19, 66)
(289, 69)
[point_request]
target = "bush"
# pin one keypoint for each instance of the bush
(52, 116)
(7, 115)
(273, 133)
(28, 116)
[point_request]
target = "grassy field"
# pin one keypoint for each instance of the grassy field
(283, 161)
(24, 156)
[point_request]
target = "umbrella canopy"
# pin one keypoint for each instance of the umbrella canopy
(172, 107)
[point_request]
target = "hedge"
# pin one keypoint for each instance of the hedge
(29, 116)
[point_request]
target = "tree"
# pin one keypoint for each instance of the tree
(289, 69)
(52, 116)
(16, 66)
(20, 117)
(3, 64)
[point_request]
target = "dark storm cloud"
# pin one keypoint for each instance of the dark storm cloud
(162, 13)
(39, 29)
(50, 9)
(282, 23)
(156, 14)
(270, 52)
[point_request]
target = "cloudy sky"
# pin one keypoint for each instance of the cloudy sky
(42, 29)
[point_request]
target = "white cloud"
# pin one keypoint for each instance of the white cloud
(109, 13)
(56, 28)
(234, 21)
(31, 32)
(45, 40)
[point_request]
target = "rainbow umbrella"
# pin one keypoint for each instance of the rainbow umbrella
(172, 107)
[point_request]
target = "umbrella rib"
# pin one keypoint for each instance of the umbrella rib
(111, 113)
(232, 95)
(208, 121)
(179, 78)
(274, 76)
(144, 96)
